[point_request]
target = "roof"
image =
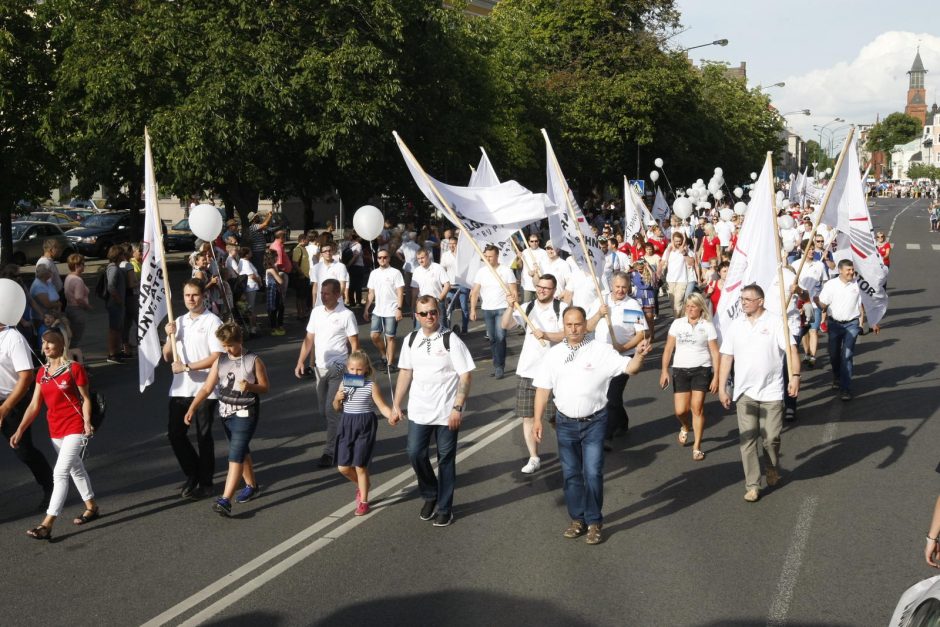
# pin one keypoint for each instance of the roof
(918, 64)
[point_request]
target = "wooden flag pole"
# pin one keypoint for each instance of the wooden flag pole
(784, 302)
(574, 220)
(158, 234)
(463, 229)
(525, 263)
(825, 202)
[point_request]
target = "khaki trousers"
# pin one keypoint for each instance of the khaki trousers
(762, 420)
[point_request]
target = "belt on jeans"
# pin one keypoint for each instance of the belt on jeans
(845, 321)
(584, 418)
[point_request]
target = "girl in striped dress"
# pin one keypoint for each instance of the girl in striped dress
(359, 425)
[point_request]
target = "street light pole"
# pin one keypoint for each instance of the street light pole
(762, 87)
(717, 42)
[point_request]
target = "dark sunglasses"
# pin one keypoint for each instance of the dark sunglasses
(425, 314)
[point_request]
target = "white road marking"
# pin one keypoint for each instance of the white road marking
(898, 215)
(912, 246)
(935, 246)
(791, 564)
(501, 427)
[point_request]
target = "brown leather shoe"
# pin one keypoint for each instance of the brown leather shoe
(594, 535)
(575, 529)
(773, 476)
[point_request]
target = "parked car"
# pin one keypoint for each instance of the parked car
(29, 238)
(180, 237)
(64, 220)
(77, 214)
(85, 203)
(100, 231)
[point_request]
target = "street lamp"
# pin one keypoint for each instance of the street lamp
(780, 84)
(821, 129)
(717, 42)
(800, 111)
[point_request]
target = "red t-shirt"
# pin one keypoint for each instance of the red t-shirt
(709, 248)
(658, 244)
(63, 400)
(715, 294)
(884, 250)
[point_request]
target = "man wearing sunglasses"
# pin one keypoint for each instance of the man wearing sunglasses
(534, 263)
(327, 268)
(387, 291)
(434, 372)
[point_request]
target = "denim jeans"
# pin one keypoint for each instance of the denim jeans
(841, 350)
(459, 296)
(497, 336)
(239, 431)
(438, 488)
(581, 452)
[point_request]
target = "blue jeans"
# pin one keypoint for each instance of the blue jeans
(497, 336)
(239, 430)
(438, 488)
(841, 350)
(581, 452)
(459, 296)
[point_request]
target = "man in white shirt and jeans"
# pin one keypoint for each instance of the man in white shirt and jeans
(331, 331)
(434, 371)
(846, 318)
(546, 330)
(387, 290)
(488, 289)
(197, 349)
(578, 371)
(755, 344)
(429, 279)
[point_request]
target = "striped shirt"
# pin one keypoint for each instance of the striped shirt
(358, 400)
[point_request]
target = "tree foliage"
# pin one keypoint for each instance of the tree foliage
(923, 171)
(896, 128)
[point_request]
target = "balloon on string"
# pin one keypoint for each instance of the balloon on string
(705, 205)
(12, 302)
(713, 187)
(658, 162)
(682, 207)
(753, 176)
(740, 208)
(786, 222)
(205, 222)
(779, 196)
(368, 222)
(738, 192)
(654, 176)
(719, 195)
(726, 214)
(719, 172)
(700, 183)
(828, 170)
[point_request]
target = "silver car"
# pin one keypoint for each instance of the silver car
(29, 237)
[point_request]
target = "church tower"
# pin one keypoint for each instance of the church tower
(916, 94)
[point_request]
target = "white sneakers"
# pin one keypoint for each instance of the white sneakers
(533, 464)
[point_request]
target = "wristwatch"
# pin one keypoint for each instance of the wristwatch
(186, 368)
(458, 408)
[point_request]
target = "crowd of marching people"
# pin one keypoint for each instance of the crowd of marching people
(585, 337)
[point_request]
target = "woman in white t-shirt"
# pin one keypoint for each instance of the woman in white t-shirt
(694, 340)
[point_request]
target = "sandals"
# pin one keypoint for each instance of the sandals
(87, 516)
(40, 532)
(697, 455)
(683, 436)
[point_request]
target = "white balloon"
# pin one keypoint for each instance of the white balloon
(789, 240)
(368, 222)
(12, 302)
(726, 214)
(786, 222)
(205, 222)
(658, 162)
(700, 183)
(738, 192)
(682, 207)
(713, 188)
(654, 176)
(779, 195)
(719, 195)
(740, 208)
(720, 180)
(792, 176)
(705, 205)
(753, 176)
(719, 172)
(828, 170)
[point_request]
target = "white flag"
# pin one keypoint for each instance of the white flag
(484, 175)
(632, 222)
(661, 208)
(755, 257)
(152, 282)
(563, 231)
(847, 213)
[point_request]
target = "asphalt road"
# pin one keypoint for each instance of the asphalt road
(834, 544)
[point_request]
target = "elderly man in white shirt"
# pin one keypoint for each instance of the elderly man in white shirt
(755, 344)
(331, 332)
(846, 318)
(578, 371)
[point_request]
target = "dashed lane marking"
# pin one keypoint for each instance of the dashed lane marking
(935, 246)
(912, 246)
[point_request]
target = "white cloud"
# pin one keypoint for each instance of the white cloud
(874, 83)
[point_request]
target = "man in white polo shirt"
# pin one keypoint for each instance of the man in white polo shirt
(578, 371)
(330, 328)
(755, 344)
(558, 268)
(429, 279)
(387, 290)
(197, 350)
(535, 264)
(545, 314)
(325, 269)
(436, 365)
(630, 329)
(487, 287)
(846, 317)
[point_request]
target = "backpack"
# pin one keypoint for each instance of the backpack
(445, 335)
(556, 305)
(101, 284)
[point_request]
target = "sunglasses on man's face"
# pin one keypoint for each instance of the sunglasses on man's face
(424, 314)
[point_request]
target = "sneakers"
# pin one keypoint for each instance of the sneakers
(222, 506)
(278, 331)
(189, 488)
(443, 520)
(575, 529)
(363, 508)
(836, 384)
(845, 395)
(534, 464)
(773, 476)
(594, 535)
(752, 495)
(427, 510)
(498, 373)
(789, 414)
(247, 493)
(812, 362)
(115, 359)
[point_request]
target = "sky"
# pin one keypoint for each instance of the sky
(838, 58)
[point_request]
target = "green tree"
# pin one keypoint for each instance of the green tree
(817, 154)
(27, 168)
(923, 171)
(896, 128)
